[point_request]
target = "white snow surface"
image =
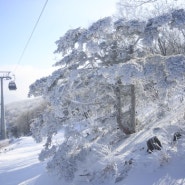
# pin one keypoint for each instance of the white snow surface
(19, 164)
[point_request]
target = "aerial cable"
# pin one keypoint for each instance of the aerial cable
(28, 41)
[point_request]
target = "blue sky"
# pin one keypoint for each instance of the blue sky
(18, 17)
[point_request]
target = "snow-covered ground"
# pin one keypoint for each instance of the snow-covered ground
(19, 164)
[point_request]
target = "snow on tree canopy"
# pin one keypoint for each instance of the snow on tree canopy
(178, 19)
(130, 27)
(68, 41)
(175, 19)
(74, 57)
(176, 68)
(100, 27)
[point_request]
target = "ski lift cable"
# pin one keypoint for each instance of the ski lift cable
(31, 35)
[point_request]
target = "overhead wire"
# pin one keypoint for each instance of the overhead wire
(31, 35)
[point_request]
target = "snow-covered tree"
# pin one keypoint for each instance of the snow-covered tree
(169, 41)
(105, 75)
(146, 9)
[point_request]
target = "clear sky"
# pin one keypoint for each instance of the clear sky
(18, 17)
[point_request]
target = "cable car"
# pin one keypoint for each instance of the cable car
(12, 85)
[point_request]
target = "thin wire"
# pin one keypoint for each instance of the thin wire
(29, 39)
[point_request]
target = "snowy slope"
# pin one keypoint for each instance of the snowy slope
(19, 163)
(161, 167)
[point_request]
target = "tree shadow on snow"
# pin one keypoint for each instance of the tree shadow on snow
(19, 176)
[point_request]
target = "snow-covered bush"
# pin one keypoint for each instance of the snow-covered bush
(66, 159)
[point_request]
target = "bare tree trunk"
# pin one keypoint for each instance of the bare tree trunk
(132, 110)
(125, 120)
(120, 113)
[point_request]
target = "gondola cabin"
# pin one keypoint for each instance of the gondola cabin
(12, 85)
